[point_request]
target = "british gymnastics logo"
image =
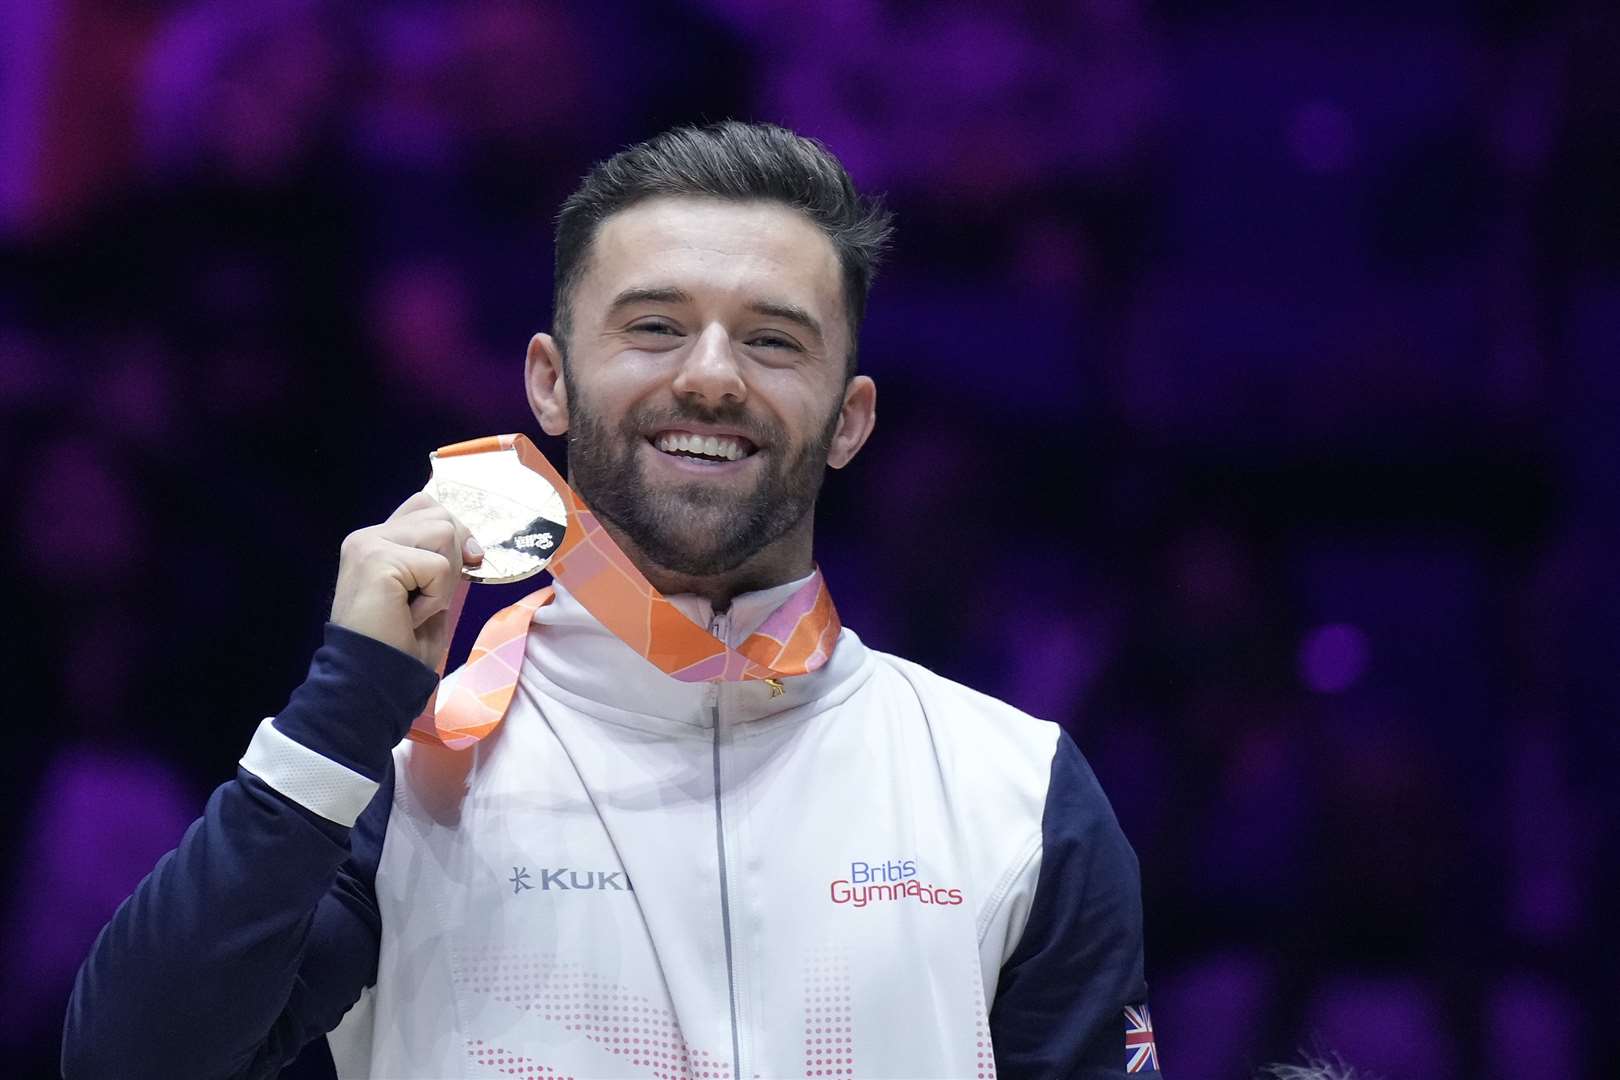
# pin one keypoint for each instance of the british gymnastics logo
(895, 879)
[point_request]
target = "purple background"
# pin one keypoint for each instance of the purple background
(1248, 400)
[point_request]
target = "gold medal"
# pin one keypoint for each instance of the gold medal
(511, 510)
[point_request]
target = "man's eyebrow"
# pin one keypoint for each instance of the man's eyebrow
(667, 294)
(793, 313)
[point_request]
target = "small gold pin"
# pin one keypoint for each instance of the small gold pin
(777, 689)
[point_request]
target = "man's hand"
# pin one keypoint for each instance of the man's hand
(396, 580)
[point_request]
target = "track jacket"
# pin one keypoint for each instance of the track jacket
(877, 873)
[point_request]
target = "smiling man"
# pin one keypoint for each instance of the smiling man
(853, 868)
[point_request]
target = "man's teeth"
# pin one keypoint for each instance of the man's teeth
(724, 447)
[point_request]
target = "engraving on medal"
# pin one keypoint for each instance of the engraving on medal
(512, 511)
(539, 536)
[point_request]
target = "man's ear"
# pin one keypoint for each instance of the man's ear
(856, 419)
(544, 383)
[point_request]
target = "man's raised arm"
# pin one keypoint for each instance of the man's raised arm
(260, 930)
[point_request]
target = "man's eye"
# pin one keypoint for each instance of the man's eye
(652, 328)
(773, 341)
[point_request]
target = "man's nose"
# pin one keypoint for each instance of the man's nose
(710, 373)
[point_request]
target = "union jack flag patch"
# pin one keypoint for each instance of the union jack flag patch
(1140, 1052)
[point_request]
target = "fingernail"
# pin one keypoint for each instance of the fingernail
(475, 550)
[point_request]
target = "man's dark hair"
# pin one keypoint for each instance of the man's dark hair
(735, 161)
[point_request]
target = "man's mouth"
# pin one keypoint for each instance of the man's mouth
(687, 444)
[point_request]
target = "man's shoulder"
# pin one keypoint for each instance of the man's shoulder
(988, 737)
(996, 743)
(961, 700)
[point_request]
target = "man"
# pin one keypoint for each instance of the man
(860, 869)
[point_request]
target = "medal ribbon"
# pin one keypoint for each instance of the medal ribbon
(795, 639)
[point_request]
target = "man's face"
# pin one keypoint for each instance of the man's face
(704, 391)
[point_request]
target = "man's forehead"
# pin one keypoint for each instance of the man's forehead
(695, 244)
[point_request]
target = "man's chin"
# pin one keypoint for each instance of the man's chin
(677, 537)
(693, 551)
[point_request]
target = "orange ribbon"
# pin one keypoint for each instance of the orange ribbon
(795, 639)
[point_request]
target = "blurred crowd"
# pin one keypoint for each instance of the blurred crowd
(1248, 404)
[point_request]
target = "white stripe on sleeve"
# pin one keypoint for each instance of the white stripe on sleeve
(310, 779)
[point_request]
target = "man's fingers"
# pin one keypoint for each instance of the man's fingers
(420, 501)
(424, 609)
(435, 529)
(396, 578)
(429, 578)
(437, 532)
(434, 634)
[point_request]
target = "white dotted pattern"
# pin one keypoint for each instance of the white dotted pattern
(313, 781)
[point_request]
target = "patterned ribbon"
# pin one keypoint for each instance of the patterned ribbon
(795, 639)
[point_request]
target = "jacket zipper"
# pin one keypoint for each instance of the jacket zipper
(717, 627)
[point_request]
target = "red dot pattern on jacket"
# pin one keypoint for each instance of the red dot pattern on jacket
(829, 1025)
(629, 1025)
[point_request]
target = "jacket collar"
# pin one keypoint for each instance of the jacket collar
(571, 656)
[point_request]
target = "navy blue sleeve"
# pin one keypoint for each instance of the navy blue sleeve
(1073, 995)
(260, 930)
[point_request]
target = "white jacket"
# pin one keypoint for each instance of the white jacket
(879, 873)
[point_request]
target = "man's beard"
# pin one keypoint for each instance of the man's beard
(697, 528)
